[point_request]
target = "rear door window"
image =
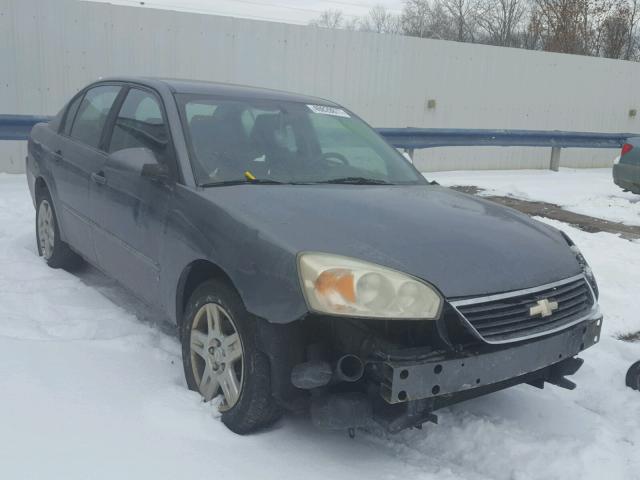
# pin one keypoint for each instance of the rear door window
(70, 115)
(92, 114)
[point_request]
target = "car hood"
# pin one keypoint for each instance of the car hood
(464, 245)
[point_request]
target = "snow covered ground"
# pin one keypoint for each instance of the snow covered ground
(92, 388)
(588, 191)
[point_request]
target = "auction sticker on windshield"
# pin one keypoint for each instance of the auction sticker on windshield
(326, 110)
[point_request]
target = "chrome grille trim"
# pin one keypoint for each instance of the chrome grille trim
(513, 322)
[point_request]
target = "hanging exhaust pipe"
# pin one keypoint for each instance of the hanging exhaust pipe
(310, 375)
(349, 368)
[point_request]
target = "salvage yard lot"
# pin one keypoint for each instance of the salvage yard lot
(589, 191)
(92, 384)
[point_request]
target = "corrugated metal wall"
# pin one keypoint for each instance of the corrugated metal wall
(51, 48)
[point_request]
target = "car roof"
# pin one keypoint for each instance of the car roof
(220, 89)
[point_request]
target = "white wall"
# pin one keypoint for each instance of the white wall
(51, 48)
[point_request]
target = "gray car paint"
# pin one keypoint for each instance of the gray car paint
(463, 245)
(626, 173)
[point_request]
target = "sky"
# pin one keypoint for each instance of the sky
(288, 11)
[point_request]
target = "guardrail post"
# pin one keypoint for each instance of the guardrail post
(409, 151)
(555, 159)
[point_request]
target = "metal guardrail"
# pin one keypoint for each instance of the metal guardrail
(445, 137)
(17, 127)
(412, 138)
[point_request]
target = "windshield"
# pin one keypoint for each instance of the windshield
(257, 141)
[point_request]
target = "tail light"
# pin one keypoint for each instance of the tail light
(626, 148)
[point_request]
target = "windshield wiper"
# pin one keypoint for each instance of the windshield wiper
(357, 181)
(267, 181)
(242, 181)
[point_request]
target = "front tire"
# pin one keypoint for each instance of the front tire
(56, 253)
(220, 357)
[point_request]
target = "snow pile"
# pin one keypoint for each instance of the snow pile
(587, 191)
(92, 387)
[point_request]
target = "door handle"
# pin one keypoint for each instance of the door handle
(99, 178)
(57, 155)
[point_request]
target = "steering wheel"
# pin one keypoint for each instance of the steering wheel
(334, 158)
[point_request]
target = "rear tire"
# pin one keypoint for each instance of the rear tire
(633, 376)
(220, 357)
(56, 252)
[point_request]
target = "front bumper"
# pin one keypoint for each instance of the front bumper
(446, 375)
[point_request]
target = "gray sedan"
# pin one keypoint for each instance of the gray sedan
(626, 169)
(307, 265)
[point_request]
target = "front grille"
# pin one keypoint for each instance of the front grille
(506, 318)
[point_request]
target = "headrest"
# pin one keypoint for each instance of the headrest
(199, 122)
(264, 128)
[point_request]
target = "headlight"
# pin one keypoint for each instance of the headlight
(344, 286)
(586, 269)
(584, 264)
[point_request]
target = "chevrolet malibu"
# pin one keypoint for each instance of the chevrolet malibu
(308, 266)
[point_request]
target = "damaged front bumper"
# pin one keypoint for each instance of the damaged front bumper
(446, 375)
(410, 390)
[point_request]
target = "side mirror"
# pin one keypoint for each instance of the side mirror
(139, 161)
(132, 159)
(155, 171)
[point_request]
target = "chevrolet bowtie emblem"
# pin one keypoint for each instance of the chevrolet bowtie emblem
(543, 307)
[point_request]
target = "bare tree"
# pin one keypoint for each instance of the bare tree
(415, 18)
(631, 43)
(501, 20)
(352, 23)
(463, 13)
(531, 36)
(617, 36)
(441, 24)
(586, 27)
(562, 25)
(380, 20)
(608, 19)
(428, 19)
(328, 19)
(615, 32)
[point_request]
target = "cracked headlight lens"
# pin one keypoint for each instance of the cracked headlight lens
(345, 286)
(588, 273)
(586, 269)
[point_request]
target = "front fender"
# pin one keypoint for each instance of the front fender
(264, 274)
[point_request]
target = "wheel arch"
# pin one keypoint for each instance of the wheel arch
(194, 274)
(281, 343)
(40, 186)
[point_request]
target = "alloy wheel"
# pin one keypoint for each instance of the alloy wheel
(217, 355)
(46, 229)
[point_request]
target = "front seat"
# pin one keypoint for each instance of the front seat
(220, 143)
(200, 128)
(264, 139)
